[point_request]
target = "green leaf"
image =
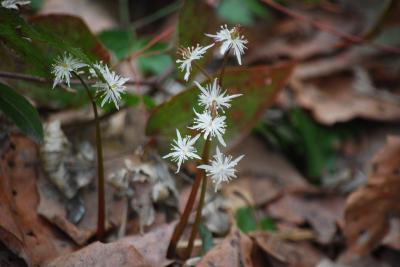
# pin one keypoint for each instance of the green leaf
(267, 224)
(206, 238)
(36, 4)
(130, 99)
(259, 86)
(71, 34)
(241, 12)
(245, 219)
(31, 48)
(317, 140)
(149, 102)
(21, 112)
(120, 42)
(156, 64)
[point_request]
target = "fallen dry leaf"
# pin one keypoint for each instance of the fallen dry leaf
(21, 228)
(364, 229)
(293, 254)
(263, 163)
(53, 207)
(234, 250)
(334, 99)
(153, 245)
(117, 254)
(322, 212)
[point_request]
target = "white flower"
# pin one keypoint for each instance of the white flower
(210, 126)
(64, 67)
(112, 85)
(13, 4)
(183, 149)
(188, 55)
(212, 95)
(222, 168)
(230, 39)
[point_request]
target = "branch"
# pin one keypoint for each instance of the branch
(332, 30)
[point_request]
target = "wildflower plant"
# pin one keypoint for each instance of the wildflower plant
(209, 122)
(109, 87)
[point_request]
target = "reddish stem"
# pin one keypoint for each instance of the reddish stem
(180, 227)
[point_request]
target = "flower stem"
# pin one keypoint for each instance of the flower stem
(202, 70)
(180, 227)
(101, 213)
(223, 66)
(197, 220)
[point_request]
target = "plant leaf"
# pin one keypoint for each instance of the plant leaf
(259, 86)
(31, 48)
(245, 219)
(206, 238)
(21, 112)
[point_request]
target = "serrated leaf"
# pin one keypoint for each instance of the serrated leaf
(259, 86)
(21, 112)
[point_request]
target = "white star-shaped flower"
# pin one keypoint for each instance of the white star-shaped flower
(64, 67)
(183, 149)
(13, 4)
(188, 55)
(210, 126)
(211, 95)
(230, 39)
(222, 168)
(112, 85)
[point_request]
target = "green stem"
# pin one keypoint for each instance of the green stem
(180, 227)
(101, 213)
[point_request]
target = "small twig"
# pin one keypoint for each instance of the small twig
(332, 30)
(38, 79)
(156, 15)
(164, 34)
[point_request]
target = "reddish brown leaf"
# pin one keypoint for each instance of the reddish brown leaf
(117, 254)
(52, 207)
(21, 229)
(297, 254)
(334, 99)
(153, 245)
(369, 209)
(234, 250)
(322, 212)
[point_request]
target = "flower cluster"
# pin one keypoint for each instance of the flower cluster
(13, 4)
(213, 100)
(229, 39)
(109, 85)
